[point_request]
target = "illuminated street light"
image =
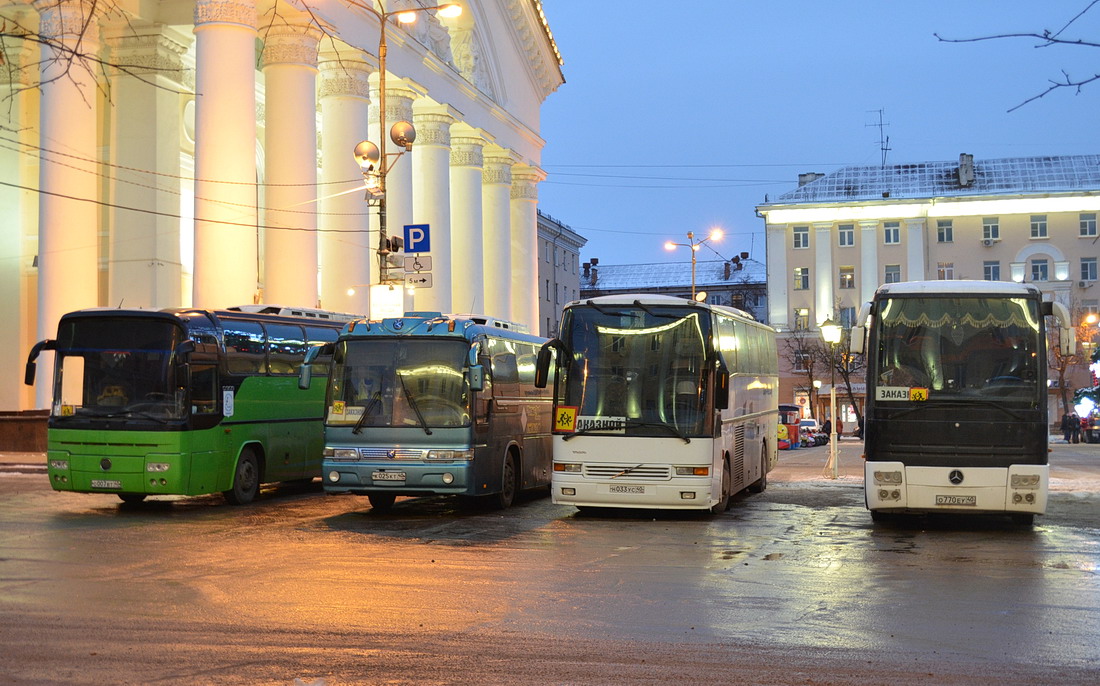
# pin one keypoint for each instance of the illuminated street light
(373, 159)
(694, 246)
(830, 333)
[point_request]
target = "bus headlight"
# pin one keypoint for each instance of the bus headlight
(59, 464)
(342, 453)
(692, 471)
(450, 454)
(157, 467)
(1025, 481)
(887, 477)
(573, 467)
(334, 476)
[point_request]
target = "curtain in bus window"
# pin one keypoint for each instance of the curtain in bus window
(964, 346)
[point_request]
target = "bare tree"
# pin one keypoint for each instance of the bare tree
(1061, 364)
(804, 353)
(1046, 38)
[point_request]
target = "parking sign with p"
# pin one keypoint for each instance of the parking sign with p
(417, 238)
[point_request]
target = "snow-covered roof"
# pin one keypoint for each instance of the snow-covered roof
(960, 287)
(1012, 175)
(672, 274)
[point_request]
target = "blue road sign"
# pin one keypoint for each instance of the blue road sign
(417, 238)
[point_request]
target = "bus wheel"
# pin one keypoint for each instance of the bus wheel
(761, 484)
(1023, 518)
(723, 503)
(246, 479)
(503, 500)
(131, 497)
(381, 502)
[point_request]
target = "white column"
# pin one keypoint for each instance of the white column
(68, 273)
(345, 248)
(914, 250)
(779, 276)
(225, 153)
(496, 230)
(18, 214)
(290, 162)
(143, 263)
(431, 202)
(525, 246)
(869, 275)
(467, 265)
(824, 278)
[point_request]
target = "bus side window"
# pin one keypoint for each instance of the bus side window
(286, 347)
(204, 389)
(245, 344)
(316, 335)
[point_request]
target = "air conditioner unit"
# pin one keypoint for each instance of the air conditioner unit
(1083, 284)
(987, 242)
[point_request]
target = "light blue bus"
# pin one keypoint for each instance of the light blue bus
(430, 404)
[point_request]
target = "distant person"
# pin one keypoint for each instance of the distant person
(827, 427)
(839, 427)
(1067, 427)
(1075, 428)
(859, 428)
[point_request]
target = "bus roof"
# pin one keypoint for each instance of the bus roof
(655, 299)
(961, 287)
(437, 324)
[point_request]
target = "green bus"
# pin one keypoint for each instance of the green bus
(183, 401)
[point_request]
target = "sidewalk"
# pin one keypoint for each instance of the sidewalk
(24, 463)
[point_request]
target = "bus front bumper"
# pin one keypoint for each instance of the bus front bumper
(412, 478)
(688, 493)
(1014, 489)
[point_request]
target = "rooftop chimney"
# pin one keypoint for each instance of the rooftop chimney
(966, 170)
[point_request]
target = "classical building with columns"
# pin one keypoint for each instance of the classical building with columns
(836, 238)
(200, 154)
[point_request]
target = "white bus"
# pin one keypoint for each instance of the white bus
(660, 402)
(956, 417)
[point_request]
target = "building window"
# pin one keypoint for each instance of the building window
(846, 235)
(548, 290)
(801, 278)
(891, 233)
(801, 319)
(991, 229)
(801, 237)
(847, 277)
(546, 252)
(847, 317)
(1039, 226)
(1040, 270)
(801, 362)
(892, 274)
(1088, 269)
(1088, 224)
(991, 270)
(944, 231)
(945, 271)
(1090, 307)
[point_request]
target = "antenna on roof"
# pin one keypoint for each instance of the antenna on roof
(883, 140)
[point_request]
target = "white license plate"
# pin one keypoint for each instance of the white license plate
(970, 500)
(106, 483)
(387, 476)
(628, 490)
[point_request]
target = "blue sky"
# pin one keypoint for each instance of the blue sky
(674, 120)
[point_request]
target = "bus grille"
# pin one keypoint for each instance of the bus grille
(390, 454)
(626, 471)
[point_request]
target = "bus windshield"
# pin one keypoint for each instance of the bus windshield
(119, 367)
(399, 383)
(638, 371)
(960, 346)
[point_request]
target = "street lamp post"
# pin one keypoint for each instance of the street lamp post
(830, 333)
(373, 159)
(694, 246)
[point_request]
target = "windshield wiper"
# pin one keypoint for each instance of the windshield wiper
(660, 425)
(116, 414)
(413, 405)
(924, 405)
(374, 400)
(638, 304)
(603, 311)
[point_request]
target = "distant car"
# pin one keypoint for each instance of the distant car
(812, 433)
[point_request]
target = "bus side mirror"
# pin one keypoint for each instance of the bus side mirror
(545, 359)
(477, 377)
(305, 374)
(857, 342)
(185, 348)
(722, 389)
(28, 374)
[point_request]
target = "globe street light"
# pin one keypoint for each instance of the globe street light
(372, 159)
(830, 333)
(694, 246)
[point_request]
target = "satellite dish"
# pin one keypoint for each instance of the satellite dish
(367, 155)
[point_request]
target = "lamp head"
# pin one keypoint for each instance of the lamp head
(830, 331)
(403, 134)
(367, 155)
(669, 245)
(450, 10)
